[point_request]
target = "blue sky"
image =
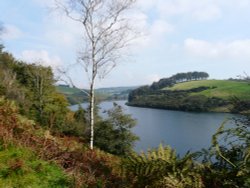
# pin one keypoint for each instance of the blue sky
(179, 36)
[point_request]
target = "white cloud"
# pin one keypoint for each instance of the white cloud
(234, 49)
(242, 4)
(59, 30)
(62, 31)
(153, 78)
(154, 34)
(45, 3)
(206, 14)
(146, 4)
(42, 57)
(204, 10)
(60, 37)
(11, 32)
(161, 27)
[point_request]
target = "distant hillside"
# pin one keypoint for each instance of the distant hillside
(225, 89)
(75, 95)
(68, 90)
(115, 90)
(197, 95)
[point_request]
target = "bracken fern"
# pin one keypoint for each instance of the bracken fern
(161, 168)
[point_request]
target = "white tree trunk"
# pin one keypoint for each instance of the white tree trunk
(91, 108)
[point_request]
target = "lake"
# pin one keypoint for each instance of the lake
(183, 131)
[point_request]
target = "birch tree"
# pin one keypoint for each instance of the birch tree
(106, 32)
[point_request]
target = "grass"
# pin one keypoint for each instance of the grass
(218, 88)
(20, 168)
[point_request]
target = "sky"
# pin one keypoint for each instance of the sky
(177, 36)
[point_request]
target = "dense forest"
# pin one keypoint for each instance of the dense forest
(44, 144)
(193, 92)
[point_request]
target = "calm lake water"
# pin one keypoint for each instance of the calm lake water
(183, 131)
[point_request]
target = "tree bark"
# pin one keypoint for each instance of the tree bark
(91, 106)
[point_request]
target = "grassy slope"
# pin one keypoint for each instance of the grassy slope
(219, 88)
(19, 167)
(74, 95)
(67, 90)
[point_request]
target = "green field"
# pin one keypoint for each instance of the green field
(67, 90)
(218, 88)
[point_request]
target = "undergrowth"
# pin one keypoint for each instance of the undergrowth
(87, 168)
(20, 168)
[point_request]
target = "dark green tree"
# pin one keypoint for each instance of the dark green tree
(80, 114)
(114, 133)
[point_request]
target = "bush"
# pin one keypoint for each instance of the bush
(114, 134)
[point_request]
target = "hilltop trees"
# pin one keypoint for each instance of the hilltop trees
(179, 77)
(106, 32)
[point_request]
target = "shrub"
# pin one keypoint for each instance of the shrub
(161, 168)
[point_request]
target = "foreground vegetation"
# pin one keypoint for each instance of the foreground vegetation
(226, 165)
(194, 95)
(83, 167)
(19, 167)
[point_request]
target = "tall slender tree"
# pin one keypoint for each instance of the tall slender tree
(106, 31)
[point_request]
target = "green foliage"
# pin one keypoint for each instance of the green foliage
(76, 124)
(32, 88)
(239, 105)
(20, 168)
(161, 168)
(55, 111)
(80, 114)
(114, 133)
(228, 164)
